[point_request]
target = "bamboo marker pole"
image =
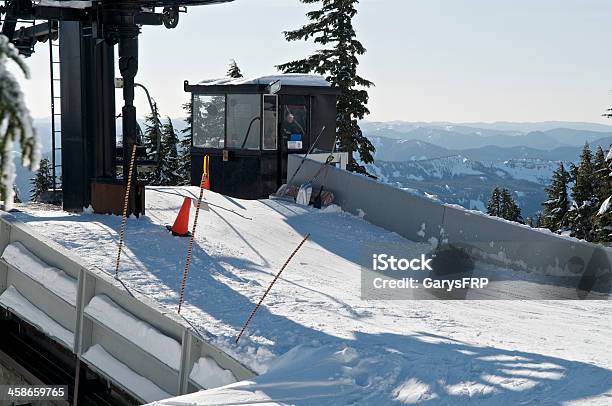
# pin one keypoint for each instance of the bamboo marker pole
(126, 201)
(270, 287)
(193, 230)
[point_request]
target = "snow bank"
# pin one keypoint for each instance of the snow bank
(130, 380)
(412, 370)
(52, 278)
(208, 374)
(142, 334)
(13, 300)
(436, 348)
(327, 375)
(332, 208)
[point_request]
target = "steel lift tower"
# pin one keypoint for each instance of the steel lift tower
(88, 32)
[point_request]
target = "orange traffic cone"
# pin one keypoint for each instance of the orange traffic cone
(181, 225)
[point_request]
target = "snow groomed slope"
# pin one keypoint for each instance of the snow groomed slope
(316, 341)
(84, 314)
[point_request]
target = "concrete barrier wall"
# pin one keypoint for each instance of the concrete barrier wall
(420, 219)
(88, 331)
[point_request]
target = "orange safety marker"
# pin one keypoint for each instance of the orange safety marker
(270, 287)
(181, 224)
(206, 174)
(193, 230)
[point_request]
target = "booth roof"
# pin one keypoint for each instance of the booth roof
(78, 4)
(85, 4)
(288, 79)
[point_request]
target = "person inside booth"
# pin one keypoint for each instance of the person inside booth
(291, 126)
(293, 132)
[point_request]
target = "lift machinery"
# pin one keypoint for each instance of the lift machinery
(88, 32)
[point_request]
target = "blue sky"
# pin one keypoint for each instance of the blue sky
(431, 60)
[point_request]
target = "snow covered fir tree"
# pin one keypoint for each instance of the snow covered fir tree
(331, 27)
(42, 181)
(184, 160)
(584, 196)
(603, 217)
(234, 71)
(167, 170)
(153, 134)
(16, 123)
(601, 221)
(584, 212)
(501, 204)
(554, 216)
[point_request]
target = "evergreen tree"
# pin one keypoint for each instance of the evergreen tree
(331, 26)
(509, 209)
(556, 207)
(501, 204)
(184, 161)
(234, 70)
(15, 122)
(166, 172)
(42, 181)
(602, 221)
(153, 133)
(584, 197)
(494, 204)
(602, 176)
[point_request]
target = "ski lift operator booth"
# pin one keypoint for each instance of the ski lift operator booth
(248, 127)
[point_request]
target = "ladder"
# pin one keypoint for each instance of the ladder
(56, 113)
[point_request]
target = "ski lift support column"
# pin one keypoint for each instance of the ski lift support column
(93, 28)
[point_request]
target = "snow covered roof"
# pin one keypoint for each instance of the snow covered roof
(287, 79)
(77, 4)
(84, 4)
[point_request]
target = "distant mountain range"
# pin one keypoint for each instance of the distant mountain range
(503, 128)
(456, 163)
(461, 137)
(462, 181)
(393, 149)
(462, 163)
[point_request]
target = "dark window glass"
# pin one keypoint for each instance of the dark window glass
(243, 121)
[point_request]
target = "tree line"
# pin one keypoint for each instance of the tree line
(578, 201)
(587, 214)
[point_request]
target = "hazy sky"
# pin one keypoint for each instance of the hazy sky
(431, 60)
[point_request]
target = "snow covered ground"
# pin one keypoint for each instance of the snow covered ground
(315, 341)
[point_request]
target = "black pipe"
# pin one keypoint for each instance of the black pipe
(246, 137)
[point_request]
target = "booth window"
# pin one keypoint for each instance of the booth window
(294, 122)
(270, 109)
(208, 121)
(243, 121)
